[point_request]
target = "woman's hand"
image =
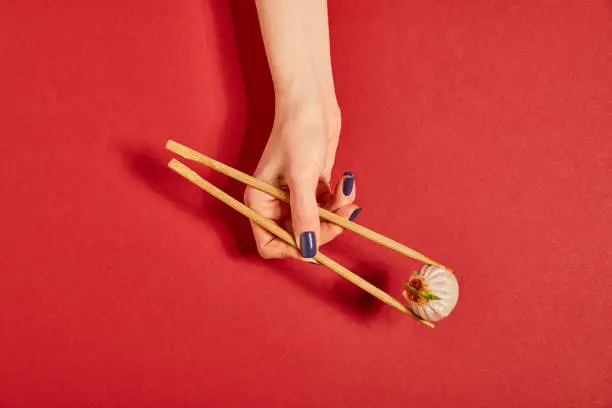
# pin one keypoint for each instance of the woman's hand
(299, 157)
(300, 152)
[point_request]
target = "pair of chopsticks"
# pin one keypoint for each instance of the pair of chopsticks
(275, 229)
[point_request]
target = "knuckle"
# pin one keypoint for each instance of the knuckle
(301, 174)
(250, 196)
(303, 218)
(246, 197)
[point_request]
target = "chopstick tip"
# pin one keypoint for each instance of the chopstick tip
(428, 324)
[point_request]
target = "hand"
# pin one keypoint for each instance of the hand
(299, 157)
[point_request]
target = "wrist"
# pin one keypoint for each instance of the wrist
(313, 96)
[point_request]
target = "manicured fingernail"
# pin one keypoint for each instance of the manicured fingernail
(348, 183)
(354, 214)
(308, 244)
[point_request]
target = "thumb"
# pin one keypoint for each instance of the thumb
(305, 213)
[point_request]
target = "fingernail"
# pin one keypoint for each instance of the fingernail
(354, 214)
(348, 183)
(308, 244)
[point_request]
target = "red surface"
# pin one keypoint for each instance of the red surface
(480, 134)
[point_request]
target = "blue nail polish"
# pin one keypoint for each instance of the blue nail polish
(308, 244)
(348, 183)
(354, 214)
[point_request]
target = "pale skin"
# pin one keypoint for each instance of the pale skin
(301, 149)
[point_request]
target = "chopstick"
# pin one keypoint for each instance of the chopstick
(271, 226)
(191, 154)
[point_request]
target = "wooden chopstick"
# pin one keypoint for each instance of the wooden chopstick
(271, 226)
(275, 192)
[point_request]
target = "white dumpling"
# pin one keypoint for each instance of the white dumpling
(436, 281)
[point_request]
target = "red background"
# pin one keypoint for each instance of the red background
(479, 133)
